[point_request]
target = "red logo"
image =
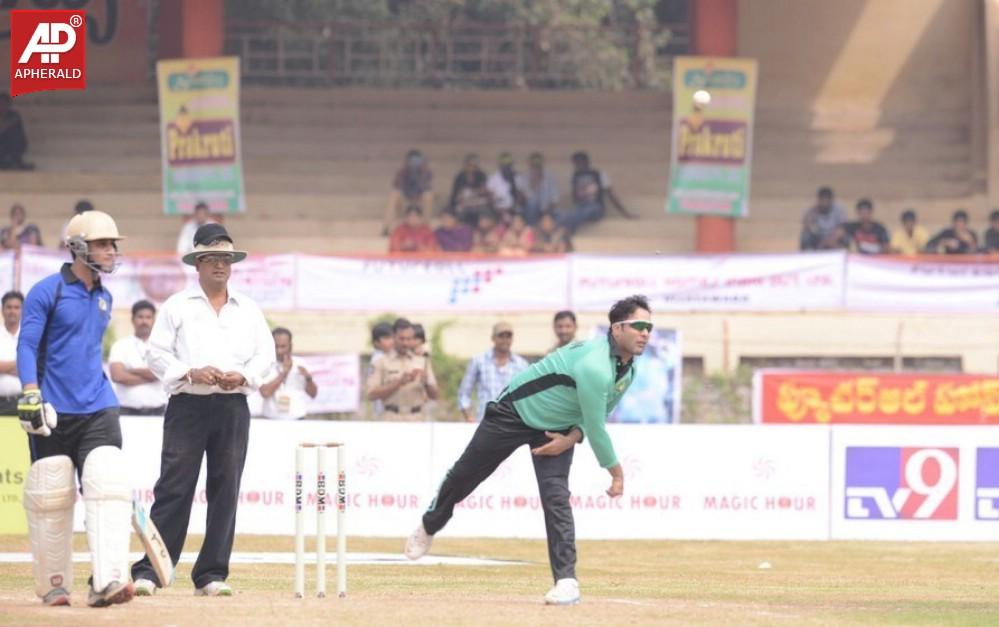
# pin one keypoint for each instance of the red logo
(47, 51)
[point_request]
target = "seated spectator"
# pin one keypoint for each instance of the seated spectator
(411, 186)
(488, 235)
(866, 236)
(822, 224)
(957, 240)
(591, 189)
(19, 231)
(992, 234)
(453, 236)
(414, 235)
(549, 237)
(82, 206)
(13, 139)
(201, 217)
(540, 189)
(469, 195)
(518, 238)
(911, 239)
(505, 185)
(288, 384)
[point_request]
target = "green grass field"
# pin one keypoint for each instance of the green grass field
(623, 583)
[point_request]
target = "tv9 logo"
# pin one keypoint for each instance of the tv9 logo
(901, 483)
(47, 51)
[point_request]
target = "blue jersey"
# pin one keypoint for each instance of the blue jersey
(73, 379)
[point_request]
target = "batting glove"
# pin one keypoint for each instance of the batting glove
(36, 417)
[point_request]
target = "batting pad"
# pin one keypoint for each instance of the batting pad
(49, 494)
(108, 498)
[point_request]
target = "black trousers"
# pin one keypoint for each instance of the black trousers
(76, 435)
(216, 426)
(499, 434)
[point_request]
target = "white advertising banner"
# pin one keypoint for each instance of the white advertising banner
(686, 481)
(711, 282)
(7, 270)
(897, 283)
(338, 379)
(915, 483)
(438, 284)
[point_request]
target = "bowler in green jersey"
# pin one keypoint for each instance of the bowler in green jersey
(550, 407)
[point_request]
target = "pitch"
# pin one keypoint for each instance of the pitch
(642, 582)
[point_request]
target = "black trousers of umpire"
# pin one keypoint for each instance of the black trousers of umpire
(500, 433)
(216, 426)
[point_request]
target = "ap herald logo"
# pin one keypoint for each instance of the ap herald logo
(891, 483)
(47, 51)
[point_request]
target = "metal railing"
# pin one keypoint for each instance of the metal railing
(456, 55)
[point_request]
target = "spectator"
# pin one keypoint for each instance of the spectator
(549, 237)
(13, 139)
(420, 341)
(518, 238)
(82, 206)
(402, 380)
(866, 236)
(139, 391)
(489, 373)
(414, 235)
(289, 385)
(822, 224)
(488, 235)
(10, 384)
(453, 236)
(992, 234)
(411, 186)
(382, 341)
(19, 231)
(505, 185)
(540, 189)
(564, 326)
(911, 239)
(469, 195)
(591, 189)
(957, 240)
(185, 241)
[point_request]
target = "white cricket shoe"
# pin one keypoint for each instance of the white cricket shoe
(565, 592)
(144, 587)
(214, 589)
(418, 543)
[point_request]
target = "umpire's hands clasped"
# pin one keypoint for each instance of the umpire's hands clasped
(209, 375)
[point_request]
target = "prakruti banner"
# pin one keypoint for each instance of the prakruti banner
(713, 104)
(199, 129)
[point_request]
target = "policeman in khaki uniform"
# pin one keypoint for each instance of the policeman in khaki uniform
(404, 382)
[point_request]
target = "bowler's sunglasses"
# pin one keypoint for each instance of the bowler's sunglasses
(505, 334)
(638, 325)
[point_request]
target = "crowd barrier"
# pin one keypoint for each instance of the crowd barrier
(734, 482)
(735, 282)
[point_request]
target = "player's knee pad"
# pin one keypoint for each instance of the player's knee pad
(108, 497)
(49, 495)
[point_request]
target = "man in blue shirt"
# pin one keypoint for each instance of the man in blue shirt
(490, 372)
(71, 415)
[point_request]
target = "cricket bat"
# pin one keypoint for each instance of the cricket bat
(156, 549)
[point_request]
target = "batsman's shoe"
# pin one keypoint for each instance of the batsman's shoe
(418, 543)
(56, 596)
(214, 589)
(114, 592)
(144, 588)
(565, 592)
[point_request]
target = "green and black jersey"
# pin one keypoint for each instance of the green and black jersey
(577, 385)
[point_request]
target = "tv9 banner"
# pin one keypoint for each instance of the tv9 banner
(48, 51)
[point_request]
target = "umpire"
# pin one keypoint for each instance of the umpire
(210, 346)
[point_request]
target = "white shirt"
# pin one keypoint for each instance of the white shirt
(499, 187)
(290, 401)
(189, 334)
(185, 241)
(10, 385)
(132, 352)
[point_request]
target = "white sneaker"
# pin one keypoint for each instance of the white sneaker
(214, 589)
(565, 592)
(418, 543)
(114, 592)
(144, 587)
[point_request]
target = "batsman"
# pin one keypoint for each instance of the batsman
(71, 415)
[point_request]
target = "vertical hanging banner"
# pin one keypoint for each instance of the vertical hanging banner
(199, 130)
(713, 103)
